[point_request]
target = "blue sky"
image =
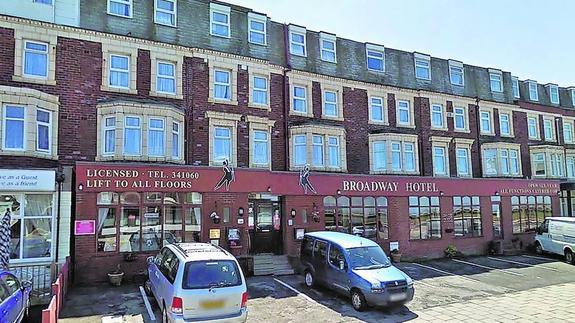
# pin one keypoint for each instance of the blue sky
(532, 39)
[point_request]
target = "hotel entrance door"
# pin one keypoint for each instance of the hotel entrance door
(265, 224)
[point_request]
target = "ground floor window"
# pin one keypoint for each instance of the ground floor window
(424, 218)
(131, 221)
(496, 216)
(467, 216)
(31, 221)
(363, 216)
(529, 211)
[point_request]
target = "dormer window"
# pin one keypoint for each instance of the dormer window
(375, 56)
(496, 81)
(515, 85)
(257, 28)
(553, 93)
(328, 47)
(422, 66)
(456, 74)
(297, 40)
(533, 94)
(220, 20)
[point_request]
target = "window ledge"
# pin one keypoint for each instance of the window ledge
(508, 136)
(379, 123)
(439, 129)
(323, 116)
(18, 78)
(140, 158)
(28, 153)
(491, 134)
(167, 95)
(412, 126)
(462, 130)
(165, 25)
(301, 114)
(222, 101)
(118, 90)
(117, 15)
(298, 55)
(259, 106)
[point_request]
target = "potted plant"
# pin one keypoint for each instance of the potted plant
(395, 255)
(115, 277)
(450, 251)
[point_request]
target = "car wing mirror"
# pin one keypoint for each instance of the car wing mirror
(26, 284)
(150, 259)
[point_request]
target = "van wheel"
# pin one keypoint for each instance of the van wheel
(538, 248)
(358, 300)
(569, 257)
(309, 279)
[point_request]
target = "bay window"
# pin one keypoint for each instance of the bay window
(132, 137)
(539, 164)
(14, 128)
(548, 161)
(43, 130)
(501, 160)
(156, 137)
(176, 140)
(300, 150)
(393, 154)
(379, 155)
(109, 135)
(317, 151)
(321, 148)
(333, 152)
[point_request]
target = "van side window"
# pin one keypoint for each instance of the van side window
(307, 247)
(320, 250)
(335, 256)
(168, 262)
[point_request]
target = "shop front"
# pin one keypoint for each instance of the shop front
(126, 212)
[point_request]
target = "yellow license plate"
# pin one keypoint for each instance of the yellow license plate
(210, 305)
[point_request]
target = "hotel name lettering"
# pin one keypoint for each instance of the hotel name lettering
(128, 178)
(379, 186)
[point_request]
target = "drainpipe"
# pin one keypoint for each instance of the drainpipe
(286, 69)
(478, 128)
(60, 178)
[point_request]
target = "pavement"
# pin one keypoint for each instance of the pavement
(477, 289)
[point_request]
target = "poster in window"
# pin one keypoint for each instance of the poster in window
(214, 233)
(84, 227)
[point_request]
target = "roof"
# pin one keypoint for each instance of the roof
(562, 218)
(343, 239)
(200, 251)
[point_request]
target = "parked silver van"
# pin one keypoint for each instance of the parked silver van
(356, 267)
(557, 235)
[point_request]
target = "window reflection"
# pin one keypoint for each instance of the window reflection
(367, 216)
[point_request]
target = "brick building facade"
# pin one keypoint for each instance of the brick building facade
(146, 114)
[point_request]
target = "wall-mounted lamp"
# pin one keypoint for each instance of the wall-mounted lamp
(293, 213)
(558, 193)
(241, 211)
(441, 193)
(338, 191)
(496, 193)
(269, 189)
(80, 187)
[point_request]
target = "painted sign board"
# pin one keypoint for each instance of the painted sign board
(123, 178)
(214, 233)
(27, 180)
(84, 227)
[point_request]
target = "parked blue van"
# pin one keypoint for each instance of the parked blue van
(356, 267)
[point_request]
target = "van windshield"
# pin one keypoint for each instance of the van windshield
(368, 258)
(211, 274)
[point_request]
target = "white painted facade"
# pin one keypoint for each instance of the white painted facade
(63, 12)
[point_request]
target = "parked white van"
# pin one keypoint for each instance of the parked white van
(557, 235)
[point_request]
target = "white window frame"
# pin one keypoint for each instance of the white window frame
(444, 156)
(158, 76)
(557, 164)
(396, 151)
(163, 130)
(573, 97)
(331, 146)
(304, 99)
(570, 166)
(231, 143)
(552, 130)
(300, 31)
(45, 124)
(174, 13)
(553, 91)
(45, 53)
(320, 145)
(568, 129)
(46, 2)
(261, 19)
(533, 90)
(374, 156)
(139, 128)
(323, 37)
(496, 77)
(259, 89)
(504, 161)
(515, 86)
(295, 145)
(423, 62)
(224, 10)
(505, 117)
(111, 69)
(404, 152)
(176, 145)
(228, 84)
(489, 119)
(441, 113)
(4, 126)
(457, 67)
(408, 109)
(380, 106)
(380, 50)
(536, 125)
(267, 145)
(334, 103)
(539, 157)
(467, 157)
(129, 3)
(105, 130)
(459, 112)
